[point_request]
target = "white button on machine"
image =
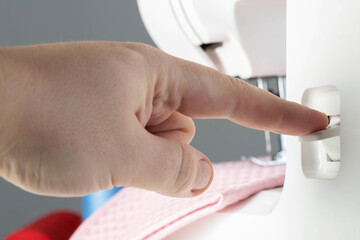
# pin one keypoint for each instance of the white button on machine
(320, 151)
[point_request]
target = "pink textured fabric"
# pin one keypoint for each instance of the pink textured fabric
(140, 214)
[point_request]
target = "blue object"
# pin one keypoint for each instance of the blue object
(93, 201)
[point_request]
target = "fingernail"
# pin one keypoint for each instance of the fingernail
(205, 172)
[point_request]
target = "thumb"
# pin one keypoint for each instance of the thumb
(169, 167)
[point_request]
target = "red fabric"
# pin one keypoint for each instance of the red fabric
(58, 225)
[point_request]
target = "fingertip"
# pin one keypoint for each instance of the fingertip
(325, 121)
(301, 120)
(320, 122)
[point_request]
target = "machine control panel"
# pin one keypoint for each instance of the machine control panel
(321, 151)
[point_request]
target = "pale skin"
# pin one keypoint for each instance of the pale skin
(76, 118)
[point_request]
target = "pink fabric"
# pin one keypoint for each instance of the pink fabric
(140, 214)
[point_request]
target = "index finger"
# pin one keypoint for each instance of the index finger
(207, 93)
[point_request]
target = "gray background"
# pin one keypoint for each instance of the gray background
(44, 21)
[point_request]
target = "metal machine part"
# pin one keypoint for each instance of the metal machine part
(274, 143)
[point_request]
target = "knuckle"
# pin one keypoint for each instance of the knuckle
(237, 104)
(189, 130)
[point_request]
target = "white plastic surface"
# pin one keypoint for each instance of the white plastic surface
(322, 48)
(164, 20)
(244, 215)
(251, 33)
(321, 151)
(329, 141)
(321, 135)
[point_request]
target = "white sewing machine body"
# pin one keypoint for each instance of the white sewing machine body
(320, 57)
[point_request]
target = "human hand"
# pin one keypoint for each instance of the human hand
(76, 118)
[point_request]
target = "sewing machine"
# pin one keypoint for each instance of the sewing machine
(315, 43)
